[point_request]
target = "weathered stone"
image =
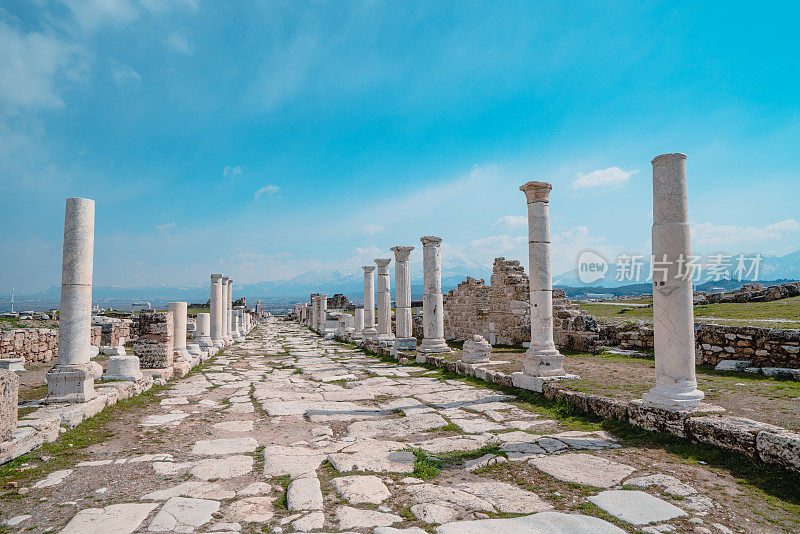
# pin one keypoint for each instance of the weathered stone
(304, 494)
(540, 523)
(584, 469)
(354, 518)
(780, 447)
(180, 513)
(113, 519)
(361, 489)
(229, 467)
(9, 398)
(636, 507)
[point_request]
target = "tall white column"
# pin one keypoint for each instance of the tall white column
(312, 312)
(322, 312)
(358, 325)
(432, 300)
(384, 300)
(227, 285)
(369, 302)
(72, 378)
(405, 339)
(673, 312)
(178, 310)
(217, 332)
(542, 358)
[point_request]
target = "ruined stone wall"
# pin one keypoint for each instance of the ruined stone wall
(751, 293)
(155, 344)
(110, 333)
(9, 399)
(501, 312)
(35, 345)
(339, 302)
(765, 347)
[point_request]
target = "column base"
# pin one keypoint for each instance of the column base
(405, 343)
(543, 362)
(356, 335)
(123, 368)
(219, 343)
(386, 337)
(429, 346)
(536, 383)
(369, 333)
(70, 383)
(673, 398)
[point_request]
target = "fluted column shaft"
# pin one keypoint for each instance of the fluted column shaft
(402, 292)
(432, 300)
(217, 311)
(369, 302)
(384, 300)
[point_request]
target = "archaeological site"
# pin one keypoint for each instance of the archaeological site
(382, 267)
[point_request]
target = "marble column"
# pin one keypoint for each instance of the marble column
(227, 284)
(432, 300)
(673, 312)
(322, 312)
(178, 310)
(369, 329)
(404, 339)
(312, 312)
(542, 358)
(72, 377)
(217, 326)
(359, 324)
(203, 336)
(384, 300)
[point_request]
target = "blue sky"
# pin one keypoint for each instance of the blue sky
(264, 139)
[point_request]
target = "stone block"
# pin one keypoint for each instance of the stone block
(729, 433)
(780, 447)
(657, 419)
(9, 399)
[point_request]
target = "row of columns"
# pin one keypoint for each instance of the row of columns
(676, 384)
(73, 376)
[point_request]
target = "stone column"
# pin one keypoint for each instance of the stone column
(178, 310)
(227, 293)
(542, 358)
(432, 300)
(312, 312)
(204, 331)
(322, 312)
(369, 329)
(217, 326)
(72, 378)
(384, 300)
(402, 298)
(673, 312)
(359, 324)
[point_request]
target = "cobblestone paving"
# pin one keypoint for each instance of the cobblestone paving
(320, 437)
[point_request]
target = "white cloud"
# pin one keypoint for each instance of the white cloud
(708, 234)
(178, 43)
(91, 14)
(366, 256)
(29, 66)
(266, 190)
(371, 229)
(166, 226)
(512, 222)
(231, 172)
(125, 76)
(610, 178)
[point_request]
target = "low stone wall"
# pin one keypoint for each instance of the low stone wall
(765, 347)
(36, 345)
(750, 293)
(9, 398)
(761, 441)
(110, 333)
(500, 312)
(155, 344)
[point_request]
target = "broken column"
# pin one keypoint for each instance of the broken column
(9, 403)
(228, 309)
(404, 339)
(312, 312)
(369, 329)
(322, 313)
(203, 336)
(384, 300)
(432, 302)
(358, 326)
(72, 377)
(673, 313)
(178, 310)
(217, 326)
(542, 358)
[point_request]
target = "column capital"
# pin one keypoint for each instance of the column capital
(230, 281)
(430, 241)
(672, 155)
(383, 262)
(536, 191)
(368, 268)
(225, 279)
(401, 253)
(215, 277)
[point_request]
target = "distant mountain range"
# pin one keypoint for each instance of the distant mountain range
(775, 269)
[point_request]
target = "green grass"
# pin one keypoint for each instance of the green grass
(736, 314)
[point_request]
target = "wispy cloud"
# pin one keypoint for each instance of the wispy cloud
(125, 77)
(371, 229)
(167, 226)
(610, 178)
(231, 171)
(708, 234)
(267, 190)
(512, 222)
(178, 43)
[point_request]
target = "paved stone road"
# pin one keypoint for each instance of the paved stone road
(321, 437)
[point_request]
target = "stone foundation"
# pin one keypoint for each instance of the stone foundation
(154, 347)
(36, 345)
(9, 395)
